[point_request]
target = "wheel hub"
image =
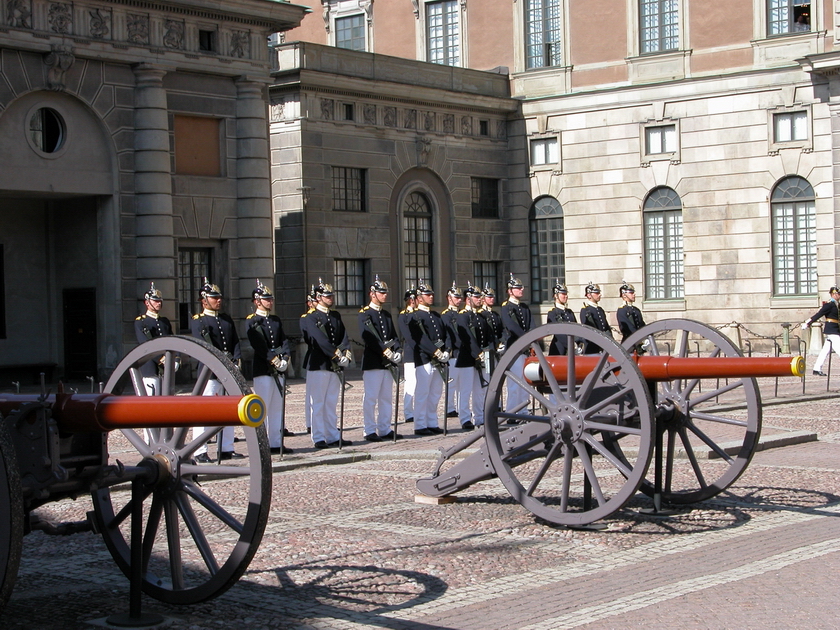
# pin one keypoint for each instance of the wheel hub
(566, 423)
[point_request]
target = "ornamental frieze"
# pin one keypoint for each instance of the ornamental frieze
(60, 17)
(174, 36)
(100, 24)
(18, 13)
(138, 28)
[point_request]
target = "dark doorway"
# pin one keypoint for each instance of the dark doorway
(79, 333)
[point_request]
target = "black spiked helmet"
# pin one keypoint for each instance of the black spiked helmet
(379, 286)
(471, 290)
(514, 283)
(153, 293)
(322, 288)
(209, 290)
(626, 287)
(487, 291)
(592, 288)
(454, 291)
(559, 287)
(834, 289)
(261, 292)
(424, 288)
(410, 294)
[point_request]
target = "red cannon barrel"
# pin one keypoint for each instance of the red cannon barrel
(667, 368)
(105, 412)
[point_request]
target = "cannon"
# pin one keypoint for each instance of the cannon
(677, 392)
(159, 512)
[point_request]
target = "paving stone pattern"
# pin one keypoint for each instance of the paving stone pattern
(347, 547)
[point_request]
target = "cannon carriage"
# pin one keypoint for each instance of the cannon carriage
(676, 393)
(159, 512)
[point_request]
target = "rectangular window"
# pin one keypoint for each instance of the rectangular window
(207, 41)
(486, 273)
(198, 146)
(543, 27)
(348, 189)
(659, 25)
(350, 283)
(795, 248)
(544, 151)
(790, 126)
(661, 139)
(417, 242)
(193, 267)
(349, 111)
(548, 256)
(664, 255)
(483, 127)
(443, 37)
(350, 32)
(788, 16)
(485, 198)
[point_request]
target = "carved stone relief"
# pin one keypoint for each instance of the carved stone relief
(18, 13)
(100, 24)
(240, 44)
(174, 36)
(58, 61)
(390, 116)
(411, 119)
(138, 28)
(449, 123)
(60, 17)
(369, 113)
(327, 109)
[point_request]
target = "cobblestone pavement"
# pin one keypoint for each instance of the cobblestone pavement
(347, 547)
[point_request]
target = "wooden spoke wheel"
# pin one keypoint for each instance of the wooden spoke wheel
(710, 427)
(547, 443)
(11, 515)
(202, 523)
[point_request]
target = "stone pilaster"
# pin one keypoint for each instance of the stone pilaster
(153, 182)
(254, 224)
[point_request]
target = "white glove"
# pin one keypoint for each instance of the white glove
(441, 356)
(483, 357)
(343, 361)
(805, 325)
(177, 365)
(397, 358)
(500, 348)
(389, 354)
(646, 344)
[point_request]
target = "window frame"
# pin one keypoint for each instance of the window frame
(454, 8)
(556, 55)
(544, 141)
(350, 286)
(791, 7)
(417, 253)
(340, 194)
(546, 219)
(780, 197)
(485, 197)
(341, 19)
(645, 129)
(774, 145)
(189, 284)
(672, 284)
(662, 37)
(486, 272)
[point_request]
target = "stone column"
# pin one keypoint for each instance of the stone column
(255, 230)
(155, 243)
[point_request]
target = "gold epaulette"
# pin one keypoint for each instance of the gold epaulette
(311, 310)
(505, 303)
(197, 315)
(364, 308)
(139, 317)
(251, 316)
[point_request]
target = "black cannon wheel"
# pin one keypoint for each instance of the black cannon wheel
(11, 515)
(550, 451)
(204, 522)
(711, 427)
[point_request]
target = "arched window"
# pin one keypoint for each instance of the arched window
(417, 239)
(548, 248)
(794, 237)
(663, 245)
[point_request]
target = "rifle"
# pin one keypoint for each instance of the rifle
(443, 369)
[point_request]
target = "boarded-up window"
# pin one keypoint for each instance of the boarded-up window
(197, 146)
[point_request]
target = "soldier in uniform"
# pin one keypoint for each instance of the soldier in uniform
(516, 319)
(560, 313)
(217, 329)
(493, 318)
(454, 298)
(476, 341)
(380, 363)
(329, 353)
(271, 359)
(831, 313)
(409, 350)
(310, 307)
(593, 315)
(148, 326)
(629, 316)
(431, 361)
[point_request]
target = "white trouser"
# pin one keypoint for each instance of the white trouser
(454, 387)
(152, 385)
(266, 388)
(322, 391)
(471, 392)
(831, 341)
(225, 436)
(427, 396)
(516, 395)
(409, 373)
(307, 410)
(377, 404)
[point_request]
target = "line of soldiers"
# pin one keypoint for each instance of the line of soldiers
(454, 351)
